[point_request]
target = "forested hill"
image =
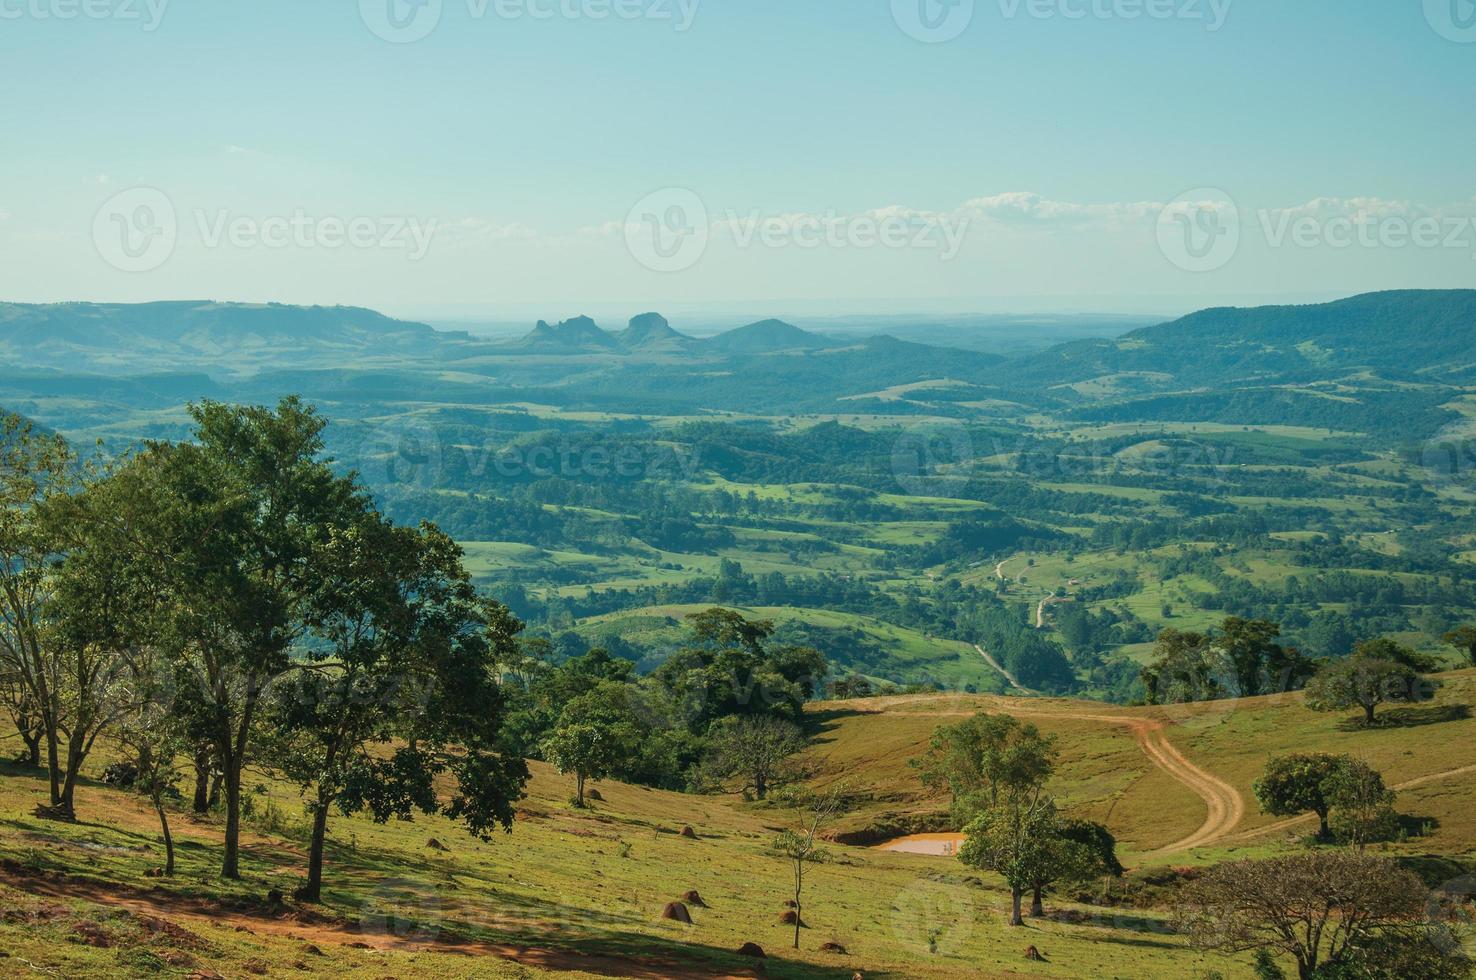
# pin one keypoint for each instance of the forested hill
(149, 337)
(1401, 333)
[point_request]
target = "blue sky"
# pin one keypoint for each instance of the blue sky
(519, 146)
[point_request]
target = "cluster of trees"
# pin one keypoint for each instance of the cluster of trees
(1240, 659)
(996, 768)
(1243, 659)
(724, 709)
(230, 602)
(1352, 804)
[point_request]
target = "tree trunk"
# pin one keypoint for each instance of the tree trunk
(798, 919)
(53, 765)
(202, 781)
(214, 797)
(231, 865)
(75, 756)
(313, 890)
(32, 739)
(1368, 713)
(1037, 903)
(760, 786)
(168, 837)
(1016, 919)
(1323, 830)
(579, 789)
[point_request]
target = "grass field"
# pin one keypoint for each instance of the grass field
(579, 893)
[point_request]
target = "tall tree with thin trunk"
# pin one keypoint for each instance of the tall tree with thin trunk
(241, 514)
(397, 624)
(801, 844)
(36, 469)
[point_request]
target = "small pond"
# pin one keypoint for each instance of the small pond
(939, 845)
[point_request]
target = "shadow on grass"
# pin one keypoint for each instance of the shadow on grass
(435, 902)
(1409, 718)
(818, 723)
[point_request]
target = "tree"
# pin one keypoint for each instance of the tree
(1082, 850)
(1364, 682)
(1241, 659)
(1363, 807)
(1261, 664)
(1186, 669)
(800, 844)
(36, 470)
(759, 749)
(1464, 639)
(397, 625)
(1383, 648)
(236, 532)
(594, 738)
(730, 668)
(1319, 908)
(1296, 784)
(1020, 841)
(986, 758)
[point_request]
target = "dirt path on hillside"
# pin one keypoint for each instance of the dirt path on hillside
(325, 933)
(1291, 822)
(999, 668)
(999, 569)
(1224, 805)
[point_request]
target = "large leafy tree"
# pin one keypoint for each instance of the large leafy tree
(1020, 839)
(729, 667)
(1366, 681)
(987, 758)
(1240, 659)
(395, 626)
(759, 750)
(243, 514)
(1296, 784)
(596, 736)
(1081, 850)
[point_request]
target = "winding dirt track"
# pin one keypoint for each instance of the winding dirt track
(999, 669)
(1225, 806)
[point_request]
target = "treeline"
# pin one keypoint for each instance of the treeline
(231, 602)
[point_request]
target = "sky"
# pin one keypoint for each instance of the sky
(545, 158)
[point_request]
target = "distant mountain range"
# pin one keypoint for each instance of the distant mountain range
(651, 333)
(1393, 362)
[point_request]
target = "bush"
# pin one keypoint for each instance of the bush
(123, 775)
